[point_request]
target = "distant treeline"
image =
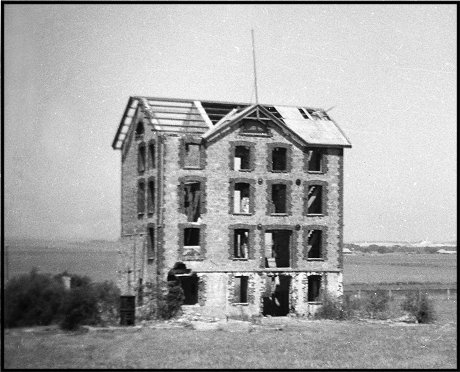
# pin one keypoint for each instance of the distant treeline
(374, 248)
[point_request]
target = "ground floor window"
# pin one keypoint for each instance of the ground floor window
(314, 288)
(241, 289)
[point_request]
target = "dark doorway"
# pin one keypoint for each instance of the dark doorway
(276, 299)
(189, 284)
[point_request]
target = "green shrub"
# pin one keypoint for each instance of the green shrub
(32, 299)
(420, 306)
(376, 302)
(331, 308)
(171, 305)
(79, 307)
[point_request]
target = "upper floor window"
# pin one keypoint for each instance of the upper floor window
(314, 240)
(315, 160)
(141, 158)
(151, 155)
(240, 243)
(141, 197)
(139, 129)
(279, 155)
(241, 195)
(192, 153)
(150, 242)
(192, 200)
(151, 196)
(191, 241)
(315, 202)
(241, 160)
(279, 159)
(279, 198)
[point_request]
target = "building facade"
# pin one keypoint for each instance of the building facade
(241, 203)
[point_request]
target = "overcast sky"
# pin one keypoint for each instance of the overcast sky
(389, 70)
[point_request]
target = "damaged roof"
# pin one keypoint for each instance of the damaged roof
(203, 118)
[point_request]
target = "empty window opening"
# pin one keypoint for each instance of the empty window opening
(141, 197)
(192, 155)
(279, 198)
(276, 295)
(241, 159)
(241, 198)
(151, 197)
(139, 129)
(279, 159)
(314, 205)
(241, 243)
(241, 289)
(151, 243)
(314, 243)
(277, 248)
(151, 162)
(191, 237)
(191, 248)
(314, 288)
(141, 158)
(192, 200)
(315, 160)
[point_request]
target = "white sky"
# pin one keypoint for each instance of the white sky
(389, 69)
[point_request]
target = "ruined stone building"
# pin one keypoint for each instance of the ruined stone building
(241, 203)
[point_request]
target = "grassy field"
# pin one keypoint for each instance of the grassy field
(398, 267)
(300, 344)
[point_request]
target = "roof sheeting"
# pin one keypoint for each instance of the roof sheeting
(312, 126)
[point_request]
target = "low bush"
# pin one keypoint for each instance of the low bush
(376, 303)
(41, 299)
(331, 308)
(420, 306)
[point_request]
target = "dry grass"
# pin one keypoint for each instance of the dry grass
(314, 344)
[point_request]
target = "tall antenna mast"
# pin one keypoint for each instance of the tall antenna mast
(255, 71)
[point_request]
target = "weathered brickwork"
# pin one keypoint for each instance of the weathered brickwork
(215, 264)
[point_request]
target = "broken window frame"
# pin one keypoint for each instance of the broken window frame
(324, 198)
(241, 238)
(318, 290)
(272, 252)
(141, 157)
(309, 231)
(288, 197)
(271, 148)
(315, 207)
(250, 241)
(141, 197)
(183, 182)
(321, 154)
(187, 141)
(240, 290)
(151, 195)
(251, 184)
(200, 250)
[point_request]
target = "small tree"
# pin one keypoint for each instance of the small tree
(173, 300)
(79, 307)
(420, 306)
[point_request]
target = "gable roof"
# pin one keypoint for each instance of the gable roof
(311, 126)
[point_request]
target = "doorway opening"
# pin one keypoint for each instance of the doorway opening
(276, 296)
